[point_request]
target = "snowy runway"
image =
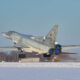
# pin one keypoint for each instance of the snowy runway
(39, 71)
(41, 65)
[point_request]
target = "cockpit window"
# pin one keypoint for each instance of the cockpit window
(11, 32)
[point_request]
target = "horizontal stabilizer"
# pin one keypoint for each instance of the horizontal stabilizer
(64, 48)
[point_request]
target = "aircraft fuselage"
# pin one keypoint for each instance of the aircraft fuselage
(27, 40)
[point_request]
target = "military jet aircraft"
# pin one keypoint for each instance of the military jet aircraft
(45, 45)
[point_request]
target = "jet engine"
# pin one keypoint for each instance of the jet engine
(58, 49)
(54, 51)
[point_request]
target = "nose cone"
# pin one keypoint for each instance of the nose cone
(5, 34)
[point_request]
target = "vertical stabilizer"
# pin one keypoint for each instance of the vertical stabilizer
(53, 33)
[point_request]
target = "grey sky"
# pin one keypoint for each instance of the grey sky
(37, 17)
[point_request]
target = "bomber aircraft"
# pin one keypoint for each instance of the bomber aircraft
(45, 45)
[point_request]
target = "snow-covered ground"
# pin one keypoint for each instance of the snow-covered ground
(39, 71)
(41, 65)
(39, 74)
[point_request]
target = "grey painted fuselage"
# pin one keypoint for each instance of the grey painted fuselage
(37, 44)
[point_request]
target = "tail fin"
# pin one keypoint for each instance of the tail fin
(53, 33)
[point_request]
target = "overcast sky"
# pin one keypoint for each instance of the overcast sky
(37, 17)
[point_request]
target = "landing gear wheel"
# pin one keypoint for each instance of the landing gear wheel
(19, 49)
(46, 55)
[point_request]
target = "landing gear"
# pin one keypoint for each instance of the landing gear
(50, 53)
(20, 49)
(46, 55)
(21, 56)
(14, 42)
